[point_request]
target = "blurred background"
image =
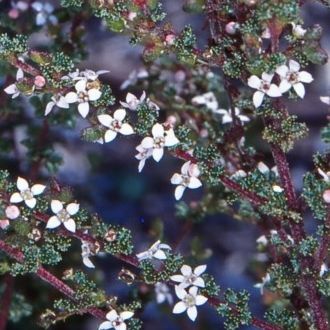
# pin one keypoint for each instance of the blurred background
(106, 180)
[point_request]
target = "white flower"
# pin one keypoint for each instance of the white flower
(83, 96)
(207, 99)
(44, 11)
(160, 139)
(325, 175)
(189, 301)
(116, 321)
(115, 125)
(292, 77)
(133, 77)
(265, 280)
(86, 253)
(57, 100)
(132, 102)
(227, 117)
(62, 215)
(324, 269)
(325, 99)
(163, 293)
(190, 277)
(90, 74)
(187, 179)
(262, 240)
(239, 174)
(276, 188)
(264, 87)
(298, 31)
(154, 252)
(26, 193)
(263, 168)
(12, 89)
(143, 155)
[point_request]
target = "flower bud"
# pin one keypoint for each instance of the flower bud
(231, 27)
(110, 236)
(39, 81)
(12, 212)
(326, 196)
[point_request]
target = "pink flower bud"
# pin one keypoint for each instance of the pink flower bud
(203, 133)
(170, 38)
(170, 121)
(13, 13)
(4, 224)
(326, 196)
(132, 15)
(231, 27)
(12, 212)
(39, 81)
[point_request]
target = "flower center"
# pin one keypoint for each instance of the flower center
(159, 142)
(63, 215)
(117, 322)
(191, 278)
(189, 300)
(293, 77)
(265, 86)
(185, 180)
(27, 194)
(83, 97)
(116, 125)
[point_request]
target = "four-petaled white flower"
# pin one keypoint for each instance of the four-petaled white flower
(115, 125)
(325, 99)
(298, 31)
(189, 301)
(142, 156)
(187, 179)
(133, 77)
(190, 277)
(160, 139)
(132, 102)
(44, 13)
(87, 74)
(62, 215)
(86, 253)
(116, 321)
(292, 77)
(83, 96)
(227, 115)
(207, 99)
(154, 252)
(261, 285)
(26, 193)
(12, 89)
(57, 100)
(264, 87)
(163, 293)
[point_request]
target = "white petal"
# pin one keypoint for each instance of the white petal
(177, 278)
(193, 291)
(186, 270)
(258, 97)
(157, 130)
(71, 97)
(194, 183)
(179, 190)
(254, 82)
(180, 292)
(284, 86)
(105, 120)
(171, 139)
(121, 326)
(22, 184)
(94, 94)
(200, 300)
(105, 325)
(72, 208)
(119, 114)
(81, 85)
(142, 162)
(11, 89)
(157, 154)
(16, 198)
(56, 206)
(112, 315)
(199, 282)
(176, 178)
(299, 89)
(185, 168)
(37, 189)
(49, 107)
(325, 99)
(179, 308)
(31, 203)
(294, 66)
(88, 263)
(126, 129)
(192, 313)
(83, 109)
(305, 77)
(200, 270)
(19, 74)
(282, 71)
(159, 255)
(274, 91)
(109, 135)
(227, 118)
(262, 167)
(147, 142)
(53, 222)
(70, 225)
(126, 315)
(267, 77)
(61, 103)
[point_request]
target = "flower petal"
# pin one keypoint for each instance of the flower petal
(11, 89)
(147, 142)
(88, 263)
(258, 97)
(49, 107)
(72, 208)
(31, 203)
(126, 129)
(200, 270)
(186, 270)
(159, 254)
(126, 315)
(179, 308)
(80, 85)
(254, 82)
(112, 315)
(119, 114)
(71, 97)
(274, 91)
(157, 130)
(37, 189)
(56, 206)
(105, 120)
(177, 278)
(105, 325)
(53, 222)
(176, 178)
(22, 184)
(200, 300)
(170, 139)
(61, 103)
(180, 292)
(179, 190)
(282, 71)
(199, 282)
(109, 135)
(70, 225)
(192, 313)
(194, 183)
(267, 76)
(294, 66)
(83, 109)
(157, 154)
(94, 94)
(16, 198)
(284, 86)
(305, 77)
(299, 89)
